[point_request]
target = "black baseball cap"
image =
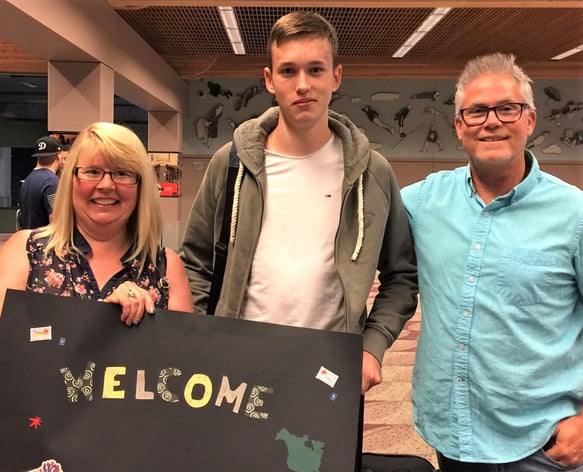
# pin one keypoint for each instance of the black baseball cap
(47, 146)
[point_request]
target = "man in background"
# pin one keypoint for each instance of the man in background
(63, 158)
(37, 194)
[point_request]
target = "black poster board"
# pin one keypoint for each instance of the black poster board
(101, 396)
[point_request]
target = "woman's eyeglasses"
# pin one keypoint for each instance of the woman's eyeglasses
(122, 177)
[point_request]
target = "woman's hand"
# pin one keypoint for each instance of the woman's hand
(134, 301)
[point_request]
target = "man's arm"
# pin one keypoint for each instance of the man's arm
(49, 194)
(396, 300)
(568, 435)
(203, 228)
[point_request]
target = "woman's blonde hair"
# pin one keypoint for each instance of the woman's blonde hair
(122, 150)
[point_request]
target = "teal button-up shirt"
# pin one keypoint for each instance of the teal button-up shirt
(500, 356)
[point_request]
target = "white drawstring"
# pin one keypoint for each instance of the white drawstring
(235, 209)
(360, 238)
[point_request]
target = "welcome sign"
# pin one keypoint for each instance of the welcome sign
(83, 392)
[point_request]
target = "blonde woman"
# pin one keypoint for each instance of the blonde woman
(104, 240)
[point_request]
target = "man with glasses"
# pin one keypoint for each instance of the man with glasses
(498, 376)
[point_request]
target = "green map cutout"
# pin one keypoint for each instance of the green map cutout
(303, 454)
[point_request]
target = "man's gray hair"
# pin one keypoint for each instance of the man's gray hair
(494, 63)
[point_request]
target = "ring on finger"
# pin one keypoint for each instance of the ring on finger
(131, 293)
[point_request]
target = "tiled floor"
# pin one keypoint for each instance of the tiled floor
(388, 422)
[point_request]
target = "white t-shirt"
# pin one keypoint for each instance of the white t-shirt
(293, 277)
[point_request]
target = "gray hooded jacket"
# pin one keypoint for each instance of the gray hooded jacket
(373, 234)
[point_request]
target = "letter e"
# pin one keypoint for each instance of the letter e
(255, 401)
(110, 382)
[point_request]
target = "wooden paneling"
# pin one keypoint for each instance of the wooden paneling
(15, 60)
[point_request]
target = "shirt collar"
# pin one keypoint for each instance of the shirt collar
(80, 242)
(521, 190)
(83, 245)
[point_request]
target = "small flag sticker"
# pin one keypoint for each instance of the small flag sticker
(327, 376)
(43, 333)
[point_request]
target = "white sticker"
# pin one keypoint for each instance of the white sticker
(326, 376)
(42, 333)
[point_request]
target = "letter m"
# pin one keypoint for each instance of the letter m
(232, 396)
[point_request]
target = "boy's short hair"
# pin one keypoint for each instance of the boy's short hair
(302, 23)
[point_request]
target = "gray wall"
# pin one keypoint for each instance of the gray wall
(353, 95)
(427, 109)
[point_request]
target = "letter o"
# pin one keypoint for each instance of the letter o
(198, 379)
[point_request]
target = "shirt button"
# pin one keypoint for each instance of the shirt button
(459, 380)
(478, 246)
(466, 314)
(471, 278)
(461, 346)
(486, 213)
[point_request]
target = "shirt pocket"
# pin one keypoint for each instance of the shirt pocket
(525, 275)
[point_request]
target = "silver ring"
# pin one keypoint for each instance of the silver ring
(131, 293)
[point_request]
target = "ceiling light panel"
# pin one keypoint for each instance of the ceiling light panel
(568, 53)
(428, 24)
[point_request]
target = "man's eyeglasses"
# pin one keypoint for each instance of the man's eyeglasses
(506, 113)
(122, 177)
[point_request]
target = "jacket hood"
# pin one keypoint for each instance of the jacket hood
(250, 140)
(251, 135)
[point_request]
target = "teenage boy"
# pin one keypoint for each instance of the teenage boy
(316, 212)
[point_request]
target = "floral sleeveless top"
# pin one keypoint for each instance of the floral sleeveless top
(73, 277)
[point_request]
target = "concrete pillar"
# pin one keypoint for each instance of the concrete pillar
(165, 136)
(79, 93)
(164, 131)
